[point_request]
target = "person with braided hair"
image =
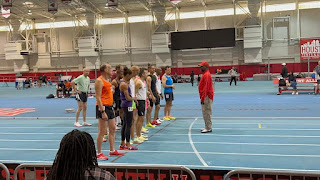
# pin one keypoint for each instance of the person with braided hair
(77, 159)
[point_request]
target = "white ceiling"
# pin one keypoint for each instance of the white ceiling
(78, 7)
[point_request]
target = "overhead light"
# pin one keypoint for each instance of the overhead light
(309, 5)
(175, 1)
(27, 3)
(135, 19)
(192, 0)
(29, 12)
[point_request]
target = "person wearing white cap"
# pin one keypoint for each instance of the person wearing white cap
(284, 72)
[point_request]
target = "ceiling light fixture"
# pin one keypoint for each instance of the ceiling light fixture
(175, 1)
(29, 12)
(27, 3)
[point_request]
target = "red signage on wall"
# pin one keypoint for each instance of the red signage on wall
(310, 48)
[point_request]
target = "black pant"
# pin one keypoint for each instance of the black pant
(127, 123)
(235, 80)
(192, 81)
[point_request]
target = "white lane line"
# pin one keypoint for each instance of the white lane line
(63, 118)
(175, 142)
(243, 129)
(192, 145)
(183, 152)
(166, 134)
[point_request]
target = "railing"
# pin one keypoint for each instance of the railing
(132, 172)
(271, 175)
(5, 169)
(53, 79)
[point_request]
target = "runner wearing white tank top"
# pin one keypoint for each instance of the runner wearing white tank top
(141, 94)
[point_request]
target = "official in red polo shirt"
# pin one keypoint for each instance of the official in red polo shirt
(206, 96)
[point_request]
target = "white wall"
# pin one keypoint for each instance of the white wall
(115, 53)
(310, 23)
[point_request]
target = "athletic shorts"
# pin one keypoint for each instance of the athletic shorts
(157, 101)
(83, 97)
(117, 104)
(141, 107)
(169, 97)
(318, 81)
(109, 111)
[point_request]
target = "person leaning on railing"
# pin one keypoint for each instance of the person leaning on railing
(76, 159)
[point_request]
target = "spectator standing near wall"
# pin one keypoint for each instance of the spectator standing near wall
(40, 81)
(284, 72)
(233, 74)
(192, 77)
(206, 96)
(44, 79)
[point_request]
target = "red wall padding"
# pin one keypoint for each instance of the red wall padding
(249, 70)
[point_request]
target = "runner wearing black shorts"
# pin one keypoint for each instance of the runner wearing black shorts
(83, 83)
(141, 94)
(105, 111)
(116, 98)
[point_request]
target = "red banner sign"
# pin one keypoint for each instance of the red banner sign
(310, 48)
(299, 80)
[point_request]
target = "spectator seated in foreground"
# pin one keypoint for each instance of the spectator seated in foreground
(68, 87)
(292, 82)
(60, 87)
(77, 159)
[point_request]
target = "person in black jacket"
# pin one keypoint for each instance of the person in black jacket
(284, 72)
(192, 77)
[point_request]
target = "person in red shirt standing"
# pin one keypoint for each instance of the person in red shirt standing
(206, 96)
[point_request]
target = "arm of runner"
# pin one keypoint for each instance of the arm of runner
(98, 90)
(149, 88)
(114, 85)
(124, 88)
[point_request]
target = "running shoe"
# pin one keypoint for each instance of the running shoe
(206, 130)
(102, 157)
(137, 141)
(122, 147)
(116, 153)
(77, 124)
(131, 148)
(172, 118)
(166, 118)
(144, 132)
(86, 124)
(154, 122)
(144, 129)
(144, 136)
(158, 121)
(150, 125)
(161, 120)
(141, 138)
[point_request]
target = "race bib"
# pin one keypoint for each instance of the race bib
(130, 109)
(167, 96)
